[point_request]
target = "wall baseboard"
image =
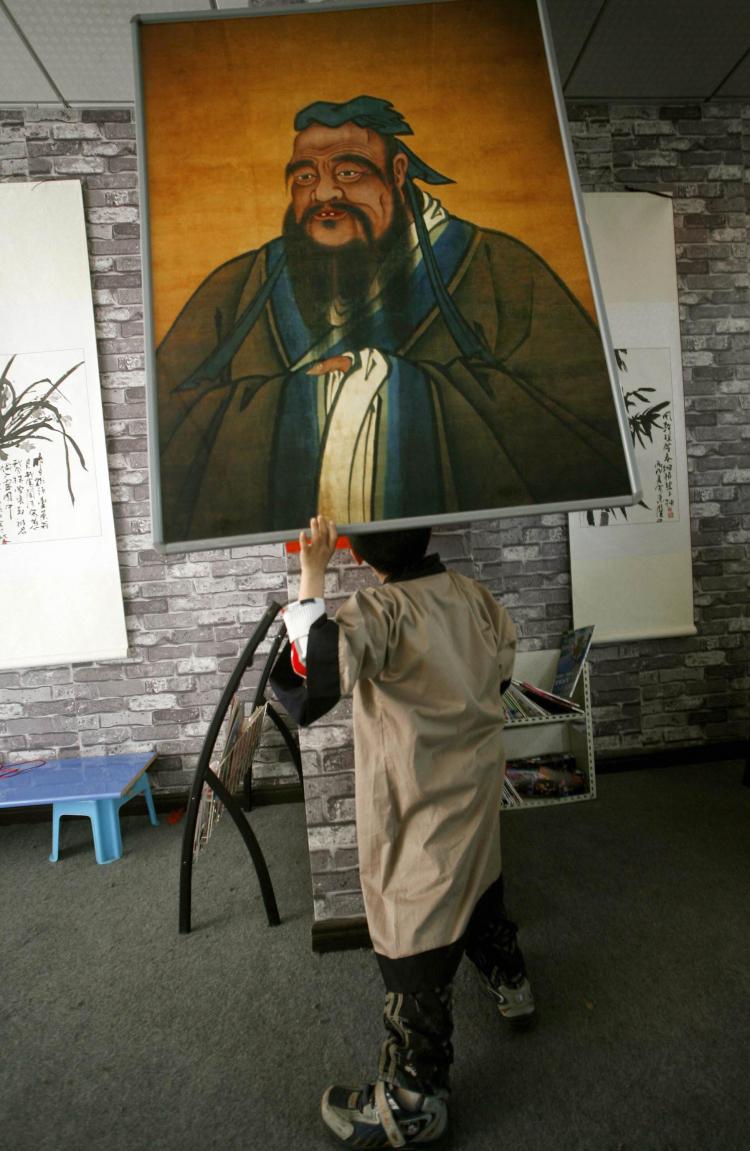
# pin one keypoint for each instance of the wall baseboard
(645, 759)
(264, 795)
(340, 934)
(607, 763)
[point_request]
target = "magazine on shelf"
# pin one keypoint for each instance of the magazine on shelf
(555, 775)
(510, 797)
(519, 706)
(512, 712)
(574, 647)
(531, 707)
(231, 764)
(524, 701)
(552, 703)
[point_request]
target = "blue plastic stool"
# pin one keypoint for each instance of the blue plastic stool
(105, 820)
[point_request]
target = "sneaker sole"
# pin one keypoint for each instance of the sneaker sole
(519, 1019)
(341, 1128)
(344, 1130)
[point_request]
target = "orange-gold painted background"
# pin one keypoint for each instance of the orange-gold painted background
(220, 96)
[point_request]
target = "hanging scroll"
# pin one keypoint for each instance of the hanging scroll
(631, 568)
(60, 596)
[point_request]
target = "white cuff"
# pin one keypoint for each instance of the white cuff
(299, 617)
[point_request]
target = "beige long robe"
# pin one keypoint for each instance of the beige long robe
(424, 659)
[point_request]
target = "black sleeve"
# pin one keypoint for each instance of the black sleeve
(308, 699)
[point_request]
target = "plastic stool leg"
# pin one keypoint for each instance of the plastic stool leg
(150, 802)
(141, 787)
(55, 834)
(105, 822)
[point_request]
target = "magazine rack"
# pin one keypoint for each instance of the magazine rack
(258, 700)
(570, 734)
(204, 775)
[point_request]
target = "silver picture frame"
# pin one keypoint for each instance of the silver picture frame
(311, 10)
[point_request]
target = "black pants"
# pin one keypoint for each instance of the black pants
(417, 1052)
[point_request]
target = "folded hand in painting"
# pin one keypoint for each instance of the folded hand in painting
(332, 364)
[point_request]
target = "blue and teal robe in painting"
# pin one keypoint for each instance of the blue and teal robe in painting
(251, 444)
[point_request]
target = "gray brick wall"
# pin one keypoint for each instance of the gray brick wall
(691, 690)
(188, 615)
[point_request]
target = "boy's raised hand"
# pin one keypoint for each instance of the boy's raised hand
(315, 552)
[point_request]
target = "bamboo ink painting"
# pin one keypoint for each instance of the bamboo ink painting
(368, 292)
(645, 376)
(47, 485)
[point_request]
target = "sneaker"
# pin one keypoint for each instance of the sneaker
(514, 1000)
(371, 1116)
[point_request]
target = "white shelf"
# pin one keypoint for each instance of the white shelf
(571, 717)
(569, 734)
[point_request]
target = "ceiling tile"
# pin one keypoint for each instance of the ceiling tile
(86, 46)
(672, 49)
(738, 84)
(638, 49)
(21, 79)
(570, 22)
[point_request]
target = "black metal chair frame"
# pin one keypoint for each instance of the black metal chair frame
(205, 775)
(259, 699)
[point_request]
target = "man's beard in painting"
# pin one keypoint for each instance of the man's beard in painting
(322, 277)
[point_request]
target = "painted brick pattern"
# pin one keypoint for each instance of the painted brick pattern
(188, 615)
(695, 689)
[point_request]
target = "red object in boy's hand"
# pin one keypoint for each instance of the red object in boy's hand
(341, 543)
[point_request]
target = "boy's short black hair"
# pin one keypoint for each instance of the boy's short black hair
(392, 551)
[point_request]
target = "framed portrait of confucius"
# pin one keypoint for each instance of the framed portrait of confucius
(369, 292)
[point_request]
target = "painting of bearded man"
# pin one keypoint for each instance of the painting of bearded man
(379, 360)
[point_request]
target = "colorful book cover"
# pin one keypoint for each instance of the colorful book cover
(546, 776)
(550, 702)
(574, 647)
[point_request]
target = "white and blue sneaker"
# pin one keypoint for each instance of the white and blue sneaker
(371, 1116)
(514, 999)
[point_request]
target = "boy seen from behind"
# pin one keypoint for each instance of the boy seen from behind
(426, 653)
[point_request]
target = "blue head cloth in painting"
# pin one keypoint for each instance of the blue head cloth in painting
(378, 115)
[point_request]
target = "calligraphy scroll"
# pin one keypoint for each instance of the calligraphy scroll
(60, 596)
(631, 569)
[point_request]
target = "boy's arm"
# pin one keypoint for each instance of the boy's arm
(315, 553)
(305, 677)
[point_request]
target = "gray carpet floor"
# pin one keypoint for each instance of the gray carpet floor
(118, 1033)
